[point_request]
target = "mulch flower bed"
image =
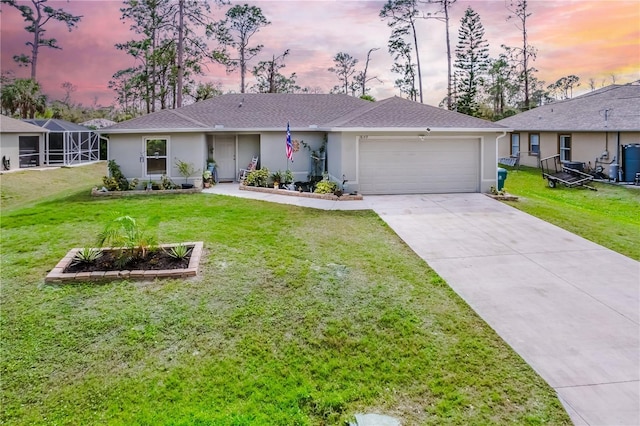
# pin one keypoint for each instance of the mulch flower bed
(155, 260)
(157, 264)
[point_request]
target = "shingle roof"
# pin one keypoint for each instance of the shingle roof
(248, 111)
(612, 108)
(11, 125)
(271, 111)
(397, 112)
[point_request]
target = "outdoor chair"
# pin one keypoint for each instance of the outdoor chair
(242, 175)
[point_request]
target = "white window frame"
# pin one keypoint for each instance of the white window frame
(146, 157)
(533, 151)
(563, 149)
(515, 137)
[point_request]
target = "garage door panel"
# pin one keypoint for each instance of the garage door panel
(412, 166)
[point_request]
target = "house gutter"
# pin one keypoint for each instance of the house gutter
(414, 129)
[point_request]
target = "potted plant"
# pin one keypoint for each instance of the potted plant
(211, 164)
(207, 178)
(277, 178)
(186, 170)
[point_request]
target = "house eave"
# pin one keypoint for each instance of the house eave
(570, 130)
(417, 129)
(308, 129)
(107, 131)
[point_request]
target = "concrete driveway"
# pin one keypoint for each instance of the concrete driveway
(569, 307)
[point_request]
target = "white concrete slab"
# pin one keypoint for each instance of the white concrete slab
(607, 404)
(568, 306)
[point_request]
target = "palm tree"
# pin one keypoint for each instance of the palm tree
(23, 96)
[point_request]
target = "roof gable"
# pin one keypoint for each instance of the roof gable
(11, 125)
(396, 112)
(57, 125)
(612, 108)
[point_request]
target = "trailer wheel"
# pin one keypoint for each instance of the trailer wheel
(552, 183)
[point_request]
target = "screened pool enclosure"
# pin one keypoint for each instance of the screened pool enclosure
(66, 143)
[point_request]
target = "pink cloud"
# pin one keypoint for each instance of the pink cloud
(587, 38)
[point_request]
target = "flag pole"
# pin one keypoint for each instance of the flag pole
(289, 146)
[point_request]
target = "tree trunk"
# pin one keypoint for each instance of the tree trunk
(446, 21)
(180, 53)
(525, 63)
(243, 69)
(415, 41)
(36, 42)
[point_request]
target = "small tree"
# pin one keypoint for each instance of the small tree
(132, 242)
(36, 17)
(270, 80)
(523, 56)
(344, 67)
(472, 60)
(185, 169)
(402, 16)
(241, 24)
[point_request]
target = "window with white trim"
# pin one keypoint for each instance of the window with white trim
(515, 143)
(565, 147)
(534, 143)
(156, 156)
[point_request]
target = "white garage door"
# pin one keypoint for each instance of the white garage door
(412, 166)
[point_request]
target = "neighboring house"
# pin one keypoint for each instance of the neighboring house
(98, 123)
(599, 128)
(21, 144)
(67, 143)
(392, 146)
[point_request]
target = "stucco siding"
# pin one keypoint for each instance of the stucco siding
(273, 154)
(129, 152)
(334, 154)
(9, 148)
(628, 138)
(248, 147)
(586, 147)
(488, 162)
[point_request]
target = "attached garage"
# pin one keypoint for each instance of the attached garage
(416, 166)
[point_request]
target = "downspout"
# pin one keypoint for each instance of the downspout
(504, 133)
(619, 159)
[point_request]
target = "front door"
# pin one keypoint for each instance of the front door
(225, 156)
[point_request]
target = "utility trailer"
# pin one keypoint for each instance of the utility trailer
(557, 173)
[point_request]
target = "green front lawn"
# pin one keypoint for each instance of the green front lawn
(609, 216)
(298, 316)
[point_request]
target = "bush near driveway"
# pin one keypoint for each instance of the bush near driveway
(609, 216)
(299, 316)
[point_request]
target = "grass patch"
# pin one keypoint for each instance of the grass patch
(608, 216)
(299, 317)
(22, 187)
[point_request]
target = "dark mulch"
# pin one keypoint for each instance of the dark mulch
(155, 260)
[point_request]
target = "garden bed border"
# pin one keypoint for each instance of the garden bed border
(56, 275)
(331, 197)
(97, 193)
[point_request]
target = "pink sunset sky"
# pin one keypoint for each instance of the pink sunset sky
(591, 39)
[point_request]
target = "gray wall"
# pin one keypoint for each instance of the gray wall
(10, 148)
(127, 150)
(248, 147)
(273, 154)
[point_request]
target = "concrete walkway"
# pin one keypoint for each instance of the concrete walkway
(569, 307)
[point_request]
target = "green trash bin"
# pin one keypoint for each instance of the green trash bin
(502, 176)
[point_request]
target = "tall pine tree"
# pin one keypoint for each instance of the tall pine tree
(472, 59)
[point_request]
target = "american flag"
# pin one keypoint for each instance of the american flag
(289, 144)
